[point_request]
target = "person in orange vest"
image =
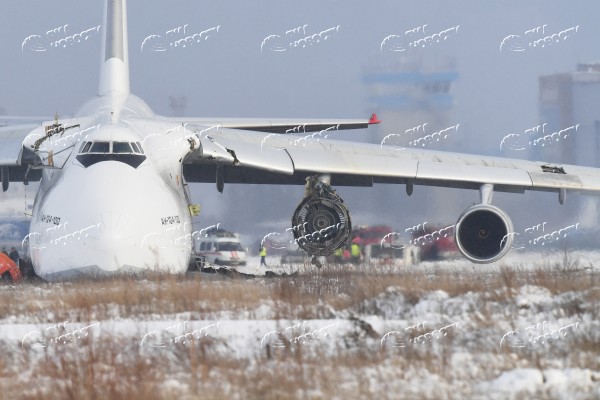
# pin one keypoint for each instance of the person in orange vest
(263, 256)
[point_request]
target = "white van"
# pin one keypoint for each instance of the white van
(220, 248)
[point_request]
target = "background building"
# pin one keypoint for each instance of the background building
(567, 100)
(414, 99)
(410, 93)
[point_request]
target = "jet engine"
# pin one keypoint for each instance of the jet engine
(321, 223)
(483, 233)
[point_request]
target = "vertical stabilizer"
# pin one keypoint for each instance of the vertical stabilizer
(114, 68)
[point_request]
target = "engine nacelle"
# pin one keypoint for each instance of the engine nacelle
(484, 233)
(321, 225)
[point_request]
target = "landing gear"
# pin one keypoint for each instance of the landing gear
(321, 222)
(315, 261)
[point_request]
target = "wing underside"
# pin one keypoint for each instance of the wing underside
(14, 159)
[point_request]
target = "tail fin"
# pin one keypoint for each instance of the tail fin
(114, 67)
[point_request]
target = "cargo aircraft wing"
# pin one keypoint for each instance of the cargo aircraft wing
(253, 157)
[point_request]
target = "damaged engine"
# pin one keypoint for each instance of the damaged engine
(321, 222)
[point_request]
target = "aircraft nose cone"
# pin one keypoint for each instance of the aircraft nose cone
(114, 226)
(111, 240)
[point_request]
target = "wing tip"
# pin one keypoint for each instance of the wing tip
(374, 120)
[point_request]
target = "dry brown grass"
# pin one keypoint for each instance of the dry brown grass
(128, 296)
(118, 368)
(99, 370)
(306, 296)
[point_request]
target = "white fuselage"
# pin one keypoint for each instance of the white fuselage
(105, 213)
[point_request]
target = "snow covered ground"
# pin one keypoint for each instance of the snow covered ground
(585, 259)
(435, 331)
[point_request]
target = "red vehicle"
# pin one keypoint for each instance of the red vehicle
(365, 235)
(8, 268)
(435, 243)
(378, 241)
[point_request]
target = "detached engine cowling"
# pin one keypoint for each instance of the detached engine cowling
(484, 233)
(321, 223)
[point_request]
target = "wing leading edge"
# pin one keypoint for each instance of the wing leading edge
(253, 157)
(281, 125)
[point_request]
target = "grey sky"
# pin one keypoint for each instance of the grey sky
(227, 75)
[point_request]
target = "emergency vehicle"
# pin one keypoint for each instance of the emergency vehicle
(219, 247)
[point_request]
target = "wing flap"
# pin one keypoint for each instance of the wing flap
(341, 158)
(572, 177)
(214, 150)
(248, 154)
(457, 172)
(552, 180)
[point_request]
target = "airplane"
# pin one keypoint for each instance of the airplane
(129, 169)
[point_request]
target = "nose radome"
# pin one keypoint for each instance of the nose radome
(113, 242)
(115, 226)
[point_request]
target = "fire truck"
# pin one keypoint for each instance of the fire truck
(435, 242)
(382, 243)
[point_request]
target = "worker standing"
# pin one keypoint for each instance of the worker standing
(355, 252)
(337, 255)
(14, 255)
(263, 256)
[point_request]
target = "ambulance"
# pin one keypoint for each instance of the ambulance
(220, 247)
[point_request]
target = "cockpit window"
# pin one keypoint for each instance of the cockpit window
(100, 147)
(86, 147)
(121, 147)
(130, 153)
(111, 147)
